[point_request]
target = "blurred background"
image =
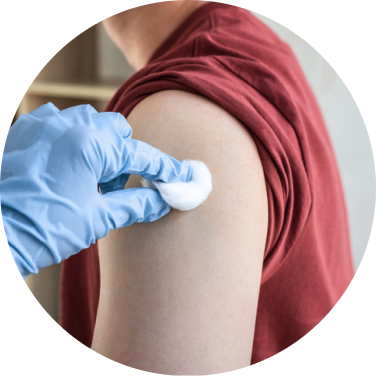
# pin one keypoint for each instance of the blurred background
(90, 69)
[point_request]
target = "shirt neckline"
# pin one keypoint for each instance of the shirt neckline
(197, 13)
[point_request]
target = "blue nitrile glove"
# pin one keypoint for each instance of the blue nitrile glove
(52, 164)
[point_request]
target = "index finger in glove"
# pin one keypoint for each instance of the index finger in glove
(119, 155)
(153, 164)
(139, 158)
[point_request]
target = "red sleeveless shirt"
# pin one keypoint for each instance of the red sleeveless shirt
(225, 54)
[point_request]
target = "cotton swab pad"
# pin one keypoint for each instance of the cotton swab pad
(185, 196)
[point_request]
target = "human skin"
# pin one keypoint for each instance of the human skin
(139, 31)
(179, 296)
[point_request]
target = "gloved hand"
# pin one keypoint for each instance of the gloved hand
(53, 162)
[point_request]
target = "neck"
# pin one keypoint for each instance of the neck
(140, 31)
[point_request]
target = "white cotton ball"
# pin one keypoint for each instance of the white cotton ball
(185, 196)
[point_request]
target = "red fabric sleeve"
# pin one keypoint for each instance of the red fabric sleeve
(227, 55)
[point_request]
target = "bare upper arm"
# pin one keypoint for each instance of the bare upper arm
(179, 296)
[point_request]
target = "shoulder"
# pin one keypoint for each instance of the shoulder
(189, 126)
